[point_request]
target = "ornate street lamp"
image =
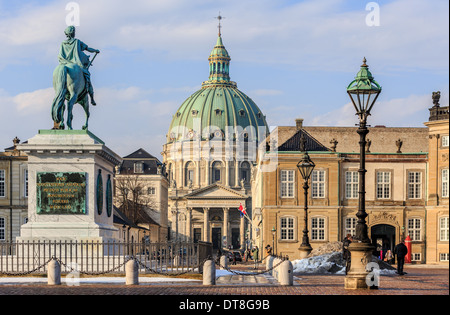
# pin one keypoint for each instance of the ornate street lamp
(306, 167)
(363, 92)
(274, 231)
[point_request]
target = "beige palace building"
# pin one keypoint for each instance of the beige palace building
(406, 188)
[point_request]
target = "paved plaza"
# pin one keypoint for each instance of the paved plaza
(420, 280)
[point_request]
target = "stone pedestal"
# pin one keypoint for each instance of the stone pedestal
(361, 255)
(70, 181)
(304, 251)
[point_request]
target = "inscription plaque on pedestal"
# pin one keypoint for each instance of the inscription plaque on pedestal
(61, 193)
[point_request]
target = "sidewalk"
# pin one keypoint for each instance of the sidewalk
(418, 281)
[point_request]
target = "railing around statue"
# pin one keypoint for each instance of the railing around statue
(95, 258)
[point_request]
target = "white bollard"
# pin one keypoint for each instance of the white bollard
(209, 273)
(54, 272)
(276, 262)
(269, 263)
(131, 273)
(286, 273)
(223, 262)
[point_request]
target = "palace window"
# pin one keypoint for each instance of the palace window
(287, 183)
(443, 257)
(350, 226)
(383, 185)
(318, 184)
(139, 167)
(2, 229)
(287, 228)
(415, 229)
(444, 183)
(151, 191)
(25, 180)
(416, 257)
(2, 184)
(318, 229)
(414, 185)
(351, 185)
(445, 141)
(444, 229)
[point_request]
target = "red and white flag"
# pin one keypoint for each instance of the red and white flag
(242, 210)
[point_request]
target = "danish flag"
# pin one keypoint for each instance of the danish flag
(242, 210)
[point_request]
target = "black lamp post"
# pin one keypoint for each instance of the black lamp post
(274, 231)
(306, 167)
(363, 92)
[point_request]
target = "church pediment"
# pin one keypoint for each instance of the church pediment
(216, 191)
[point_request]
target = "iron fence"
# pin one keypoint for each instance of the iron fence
(93, 257)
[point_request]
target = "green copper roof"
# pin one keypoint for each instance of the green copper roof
(219, 108)
(364, 81)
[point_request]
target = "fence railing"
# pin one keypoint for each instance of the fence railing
(91, 257)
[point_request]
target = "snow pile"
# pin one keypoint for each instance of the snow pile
(328, 259)
(322, 264)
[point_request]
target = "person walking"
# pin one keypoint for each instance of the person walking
(400, 250)
(346, 253)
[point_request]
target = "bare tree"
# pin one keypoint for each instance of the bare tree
(132, 196)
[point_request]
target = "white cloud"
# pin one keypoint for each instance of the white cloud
(31, 102)
(310, 34)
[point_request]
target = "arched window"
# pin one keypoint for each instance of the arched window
(217, 172)
(245, 172)
(189, 174)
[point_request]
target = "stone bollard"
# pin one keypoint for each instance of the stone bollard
(54, 272)
(269, 263)
(223, 262)
(131, 273)
(209, 273)
(275, 271)
(286, 273)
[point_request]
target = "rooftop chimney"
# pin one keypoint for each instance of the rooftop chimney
(299, 123)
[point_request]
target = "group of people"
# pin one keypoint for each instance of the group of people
(400, 250)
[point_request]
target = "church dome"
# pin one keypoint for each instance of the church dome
(219, 109)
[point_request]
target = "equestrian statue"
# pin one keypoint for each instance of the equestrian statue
(72, 80)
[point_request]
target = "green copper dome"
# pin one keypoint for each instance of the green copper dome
(219, 109)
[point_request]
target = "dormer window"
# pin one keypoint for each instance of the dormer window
(194, 112)
(242, 113)
(218, 112)
(139, 167)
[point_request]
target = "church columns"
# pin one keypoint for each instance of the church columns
(242, 232)
(236, 173)
(207, 168)
(225, 224)
(188, 224)
(175, 223)
(206, 237)
(227, 173)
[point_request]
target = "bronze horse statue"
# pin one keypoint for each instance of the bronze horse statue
(71, 81)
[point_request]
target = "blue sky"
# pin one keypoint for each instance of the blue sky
(293, 58)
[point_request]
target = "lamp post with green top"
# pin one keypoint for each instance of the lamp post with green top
(363, 92)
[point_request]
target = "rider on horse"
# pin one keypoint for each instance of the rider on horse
(72, 53)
